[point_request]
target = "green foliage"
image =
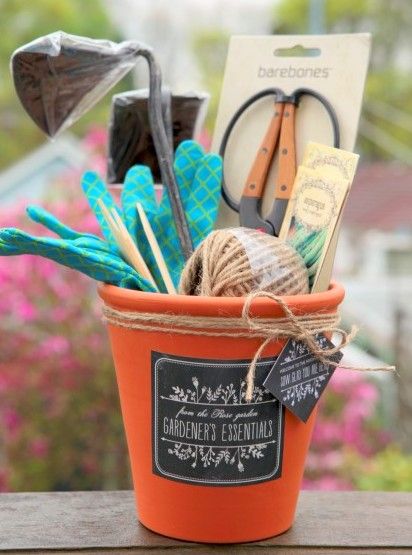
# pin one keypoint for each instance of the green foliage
(210, 47)
(22, 21)
(292, 16)
(390, 470)
(388, 81)
(393, 88)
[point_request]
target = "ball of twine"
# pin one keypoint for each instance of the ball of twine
(235, 262)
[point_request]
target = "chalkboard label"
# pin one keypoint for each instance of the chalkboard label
(298, 378)
(204, 431)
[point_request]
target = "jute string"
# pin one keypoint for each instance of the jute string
(233, 262)
(299, 327)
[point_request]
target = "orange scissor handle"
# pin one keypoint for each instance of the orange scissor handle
(256, 180)
(287, 154)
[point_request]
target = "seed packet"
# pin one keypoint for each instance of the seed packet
(312, 216)
(334, 163)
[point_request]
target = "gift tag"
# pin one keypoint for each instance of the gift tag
(298, 378)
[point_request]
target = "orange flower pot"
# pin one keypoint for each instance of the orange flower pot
(207, 480)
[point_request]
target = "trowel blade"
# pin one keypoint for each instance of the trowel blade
(59, 77)
(130, 137)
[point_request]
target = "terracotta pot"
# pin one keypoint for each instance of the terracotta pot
(196, 475)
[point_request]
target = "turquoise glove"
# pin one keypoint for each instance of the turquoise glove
(85, 254)
(41, 216)
(199, 177)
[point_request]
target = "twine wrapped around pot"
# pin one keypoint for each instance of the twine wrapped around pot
(300, 327)
(234, 262)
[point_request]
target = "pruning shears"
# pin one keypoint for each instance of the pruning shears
(281, 133)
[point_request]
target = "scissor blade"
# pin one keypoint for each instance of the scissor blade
(277, 214)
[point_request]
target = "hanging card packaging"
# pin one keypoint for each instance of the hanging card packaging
(333, 65)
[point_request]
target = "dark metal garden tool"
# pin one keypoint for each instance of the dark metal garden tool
(59, 77)
(130, 136)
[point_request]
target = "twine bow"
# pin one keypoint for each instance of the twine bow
(299, 327)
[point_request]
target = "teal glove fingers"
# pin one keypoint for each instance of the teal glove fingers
(96, 264)
(202, 204)
(187, 158)
(6, 249)
(138, 187)
(94, 189)
(96, 245)
(41, 216)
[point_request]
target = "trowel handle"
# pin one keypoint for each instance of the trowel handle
(164, 153)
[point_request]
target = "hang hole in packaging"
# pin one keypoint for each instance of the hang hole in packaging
(297, 51)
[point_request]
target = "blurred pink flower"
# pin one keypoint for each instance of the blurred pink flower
(96, 138)
(327, 432)
(55, 345)
(27, 311)
(11, 420)
(205, 139)
(327, 483)
(55, 363)
(39, 447)
(345, 424)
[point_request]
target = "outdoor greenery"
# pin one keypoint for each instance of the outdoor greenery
(388, 94)
(210, 47)
(389, 470)
(60, 419)
(389, 82)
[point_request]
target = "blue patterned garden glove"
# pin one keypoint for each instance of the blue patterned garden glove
(199, 178)
(84, 254)
(49, 221)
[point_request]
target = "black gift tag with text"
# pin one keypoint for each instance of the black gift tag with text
(298, 377)
(204, 430)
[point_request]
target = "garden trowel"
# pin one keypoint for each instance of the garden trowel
(59, 77)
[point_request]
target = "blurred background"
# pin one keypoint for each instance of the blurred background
(60, 424)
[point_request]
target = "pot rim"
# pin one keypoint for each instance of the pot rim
(140, 301)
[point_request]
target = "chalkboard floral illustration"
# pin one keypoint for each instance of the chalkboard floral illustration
(224, 395)
(221, 395)
(299, 392)
(213, 456)
(204, 431)
(296, 350)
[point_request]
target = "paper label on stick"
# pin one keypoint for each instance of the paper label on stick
(323, 63)
(312, 216)
(298, 378)
(336, 164)
(330, 162)
(204, 432)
